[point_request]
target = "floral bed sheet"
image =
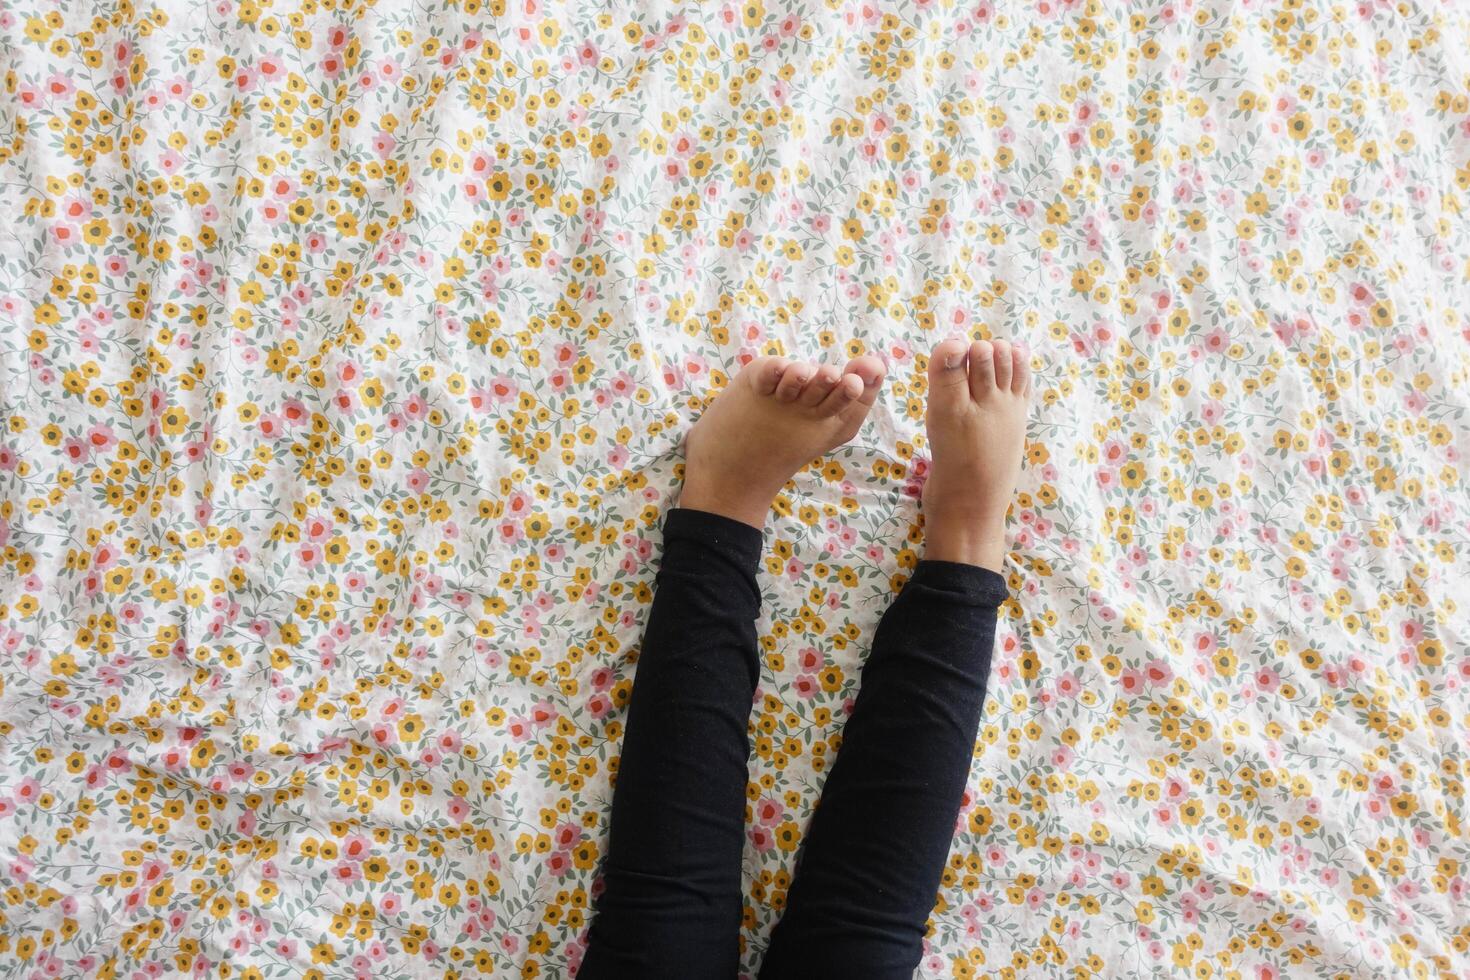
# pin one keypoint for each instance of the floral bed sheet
(347, 349)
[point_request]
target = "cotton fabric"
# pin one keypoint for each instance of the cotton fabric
(347, 351)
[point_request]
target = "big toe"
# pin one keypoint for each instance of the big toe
(948, 382)
(871, 371)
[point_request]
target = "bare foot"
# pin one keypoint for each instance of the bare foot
(775, 416)
(979, 395)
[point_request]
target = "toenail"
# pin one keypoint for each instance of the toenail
(953, 360)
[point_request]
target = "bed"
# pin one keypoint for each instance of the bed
(347, 352)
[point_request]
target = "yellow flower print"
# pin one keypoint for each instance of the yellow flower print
(411, 728)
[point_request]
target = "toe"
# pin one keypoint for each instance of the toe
(871, 371)
(947, 375)
(765, 374)
(848, 389)
(982, 368)
(1020, 369)
(1003, 365)
(793, 380)
(821, 383)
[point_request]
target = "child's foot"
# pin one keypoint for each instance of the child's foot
(978, 399)
(775, 416)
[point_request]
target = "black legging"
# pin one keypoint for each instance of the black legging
(870, 865)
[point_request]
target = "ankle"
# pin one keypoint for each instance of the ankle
(974, 541)
(717, 497)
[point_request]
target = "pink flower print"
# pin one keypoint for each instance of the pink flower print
(543, 714)
(356, 848)
(518, 505)
(502, 390)
(76, 450)
(75, 208)
(769, 811)
(1158, 673)
(59, 86)
(317, 527)
(65, 233)
(481, 165)
(1217, 340)
(599, 705)
(415, 407)
(272, 212)
(1114, 452)
(567, 835)
(294, 413)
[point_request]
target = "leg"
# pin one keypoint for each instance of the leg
(671, 901)
(874, 854)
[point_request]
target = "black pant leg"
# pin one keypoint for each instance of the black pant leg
(671, 902)
(870, 866)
